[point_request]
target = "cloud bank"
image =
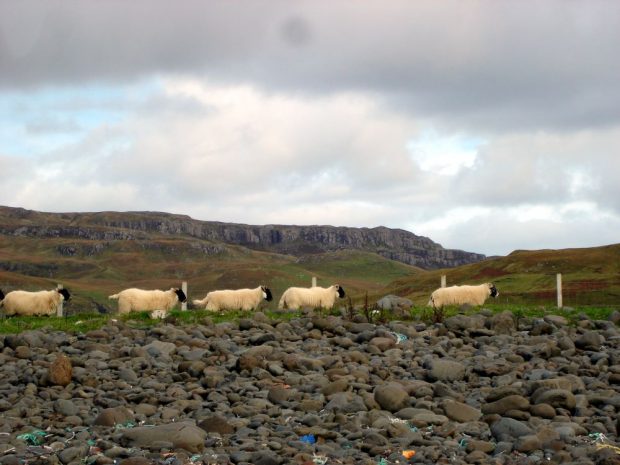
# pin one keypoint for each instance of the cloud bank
(487, 126)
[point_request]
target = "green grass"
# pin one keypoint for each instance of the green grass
(76, 323)
(572, 314)
(84, 322)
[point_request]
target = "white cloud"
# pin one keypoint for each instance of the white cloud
(487, 137)
(444, 155)
(498, 231)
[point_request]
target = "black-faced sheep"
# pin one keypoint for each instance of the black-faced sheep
(295, 298)
(235, 299)
(136, 300)
(459, 295)
(34, 303)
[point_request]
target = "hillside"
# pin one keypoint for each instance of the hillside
(96, 255)
(393, 244)
(590, 276)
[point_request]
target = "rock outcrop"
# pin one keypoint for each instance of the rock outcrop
(394, 244)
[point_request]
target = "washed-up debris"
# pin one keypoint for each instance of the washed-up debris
(308, 438)
(126, 425)
(598, 437)
(35, 438)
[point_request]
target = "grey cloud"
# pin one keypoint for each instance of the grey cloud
(483, 65)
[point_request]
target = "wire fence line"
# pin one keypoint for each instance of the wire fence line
(549, 290)
(556, 290)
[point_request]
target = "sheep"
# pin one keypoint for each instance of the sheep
(34, 303)
(459, 295)
(237, 299)
(136, 300)
(315, 297)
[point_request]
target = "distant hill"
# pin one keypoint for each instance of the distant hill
(393, 244)
(590, 276)
(99, 253)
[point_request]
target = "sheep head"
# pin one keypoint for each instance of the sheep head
(64, 293)
(181, 295)
(340, 290)
(266, 293)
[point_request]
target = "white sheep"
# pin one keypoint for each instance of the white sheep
(315, 297)
(459, 295)
(34, 303)
(235, 299)
(137, 300)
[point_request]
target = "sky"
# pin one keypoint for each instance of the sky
(487, 126)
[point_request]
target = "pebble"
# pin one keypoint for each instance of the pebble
(474, 389)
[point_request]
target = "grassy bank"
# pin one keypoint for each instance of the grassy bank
(82, 323)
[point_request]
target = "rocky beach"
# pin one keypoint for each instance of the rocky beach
(479, 388)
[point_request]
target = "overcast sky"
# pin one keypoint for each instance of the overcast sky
(487, 126)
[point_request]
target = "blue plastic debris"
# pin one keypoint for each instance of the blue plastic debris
(308, 438)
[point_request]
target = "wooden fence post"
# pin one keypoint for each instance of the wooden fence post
(443, 280)
(559, 288)
(184, 289)
(314, 281)
(59, 310)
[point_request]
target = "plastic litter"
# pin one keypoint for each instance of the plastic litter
(382, 461)
(308, 438)
(319, 459)
(408, 453)
(35, 438)
(126, 425)
(400, 337)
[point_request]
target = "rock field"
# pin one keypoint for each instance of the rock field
(479, 389)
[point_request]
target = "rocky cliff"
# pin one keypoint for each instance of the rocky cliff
(395, 244)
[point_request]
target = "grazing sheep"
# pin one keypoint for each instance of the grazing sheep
(34, 303)
(136, 300)
(459, 295)
(314, 297)
(237, 299)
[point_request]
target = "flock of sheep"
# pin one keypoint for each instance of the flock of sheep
(160, 302)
